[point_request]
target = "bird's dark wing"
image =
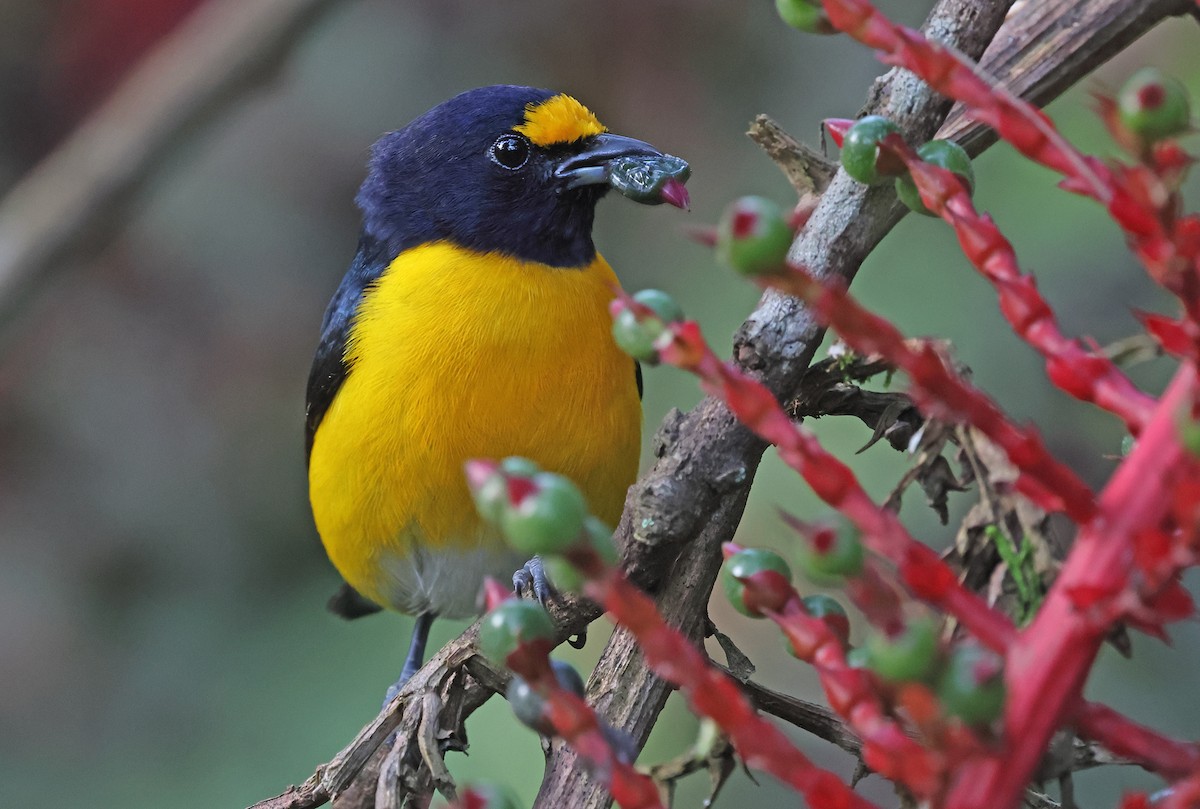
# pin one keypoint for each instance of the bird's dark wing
(637, 374)
(329, 367)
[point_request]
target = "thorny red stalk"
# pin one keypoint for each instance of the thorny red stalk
(1048, 662)
(1168, 245)
(943, 394)
(851, 692)
(1086, 375)
(710, 692)
(923, 573)
(576, 722)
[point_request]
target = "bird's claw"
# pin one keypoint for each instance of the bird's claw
(531, 578)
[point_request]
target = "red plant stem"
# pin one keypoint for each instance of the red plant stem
(1164, 245)
(715, 695)
(1086, 375)
(577, 724)
(851, 692)
(951, 74)
(1170, 758)
(1048, 662)
(941, 393)
(927, 576)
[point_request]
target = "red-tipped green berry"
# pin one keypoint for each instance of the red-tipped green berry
(529, 706)
(944, 154)
(910, 656)
(829, 553)
(546, 519)
(831, 612)
(753, 236)
(489, 490)
(511, 624)
(860, 150)
(744, 564)
(1154, 106)
(804, 15)
(971, 687)
(638, 336)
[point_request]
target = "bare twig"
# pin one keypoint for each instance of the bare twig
(79, 191)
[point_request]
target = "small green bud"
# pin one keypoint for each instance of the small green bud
(746, 563)
(830, 553)
(753, 236)
(945, 154)
(548, 519)
(662, 303)
(860, 150)
(637, 337)
(804, 15)
(971, 686)
(512, 623)
(831, 612)
(1154, 106)
(909, 656)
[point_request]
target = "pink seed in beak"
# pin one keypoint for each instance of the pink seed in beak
(676, 194)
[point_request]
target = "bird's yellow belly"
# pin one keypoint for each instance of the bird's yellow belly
(455, 355)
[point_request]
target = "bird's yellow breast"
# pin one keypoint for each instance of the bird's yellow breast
(456, 354)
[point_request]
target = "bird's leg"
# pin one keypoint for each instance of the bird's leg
(416, 653)
(531, 578)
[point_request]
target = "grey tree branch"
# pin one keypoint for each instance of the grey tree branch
(79, 191)
(678, 514)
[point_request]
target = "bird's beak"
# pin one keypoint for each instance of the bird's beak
(633, 167)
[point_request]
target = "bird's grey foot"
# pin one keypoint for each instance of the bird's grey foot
(531, 578)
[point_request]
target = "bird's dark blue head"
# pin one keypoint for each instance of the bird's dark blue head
(515, 170)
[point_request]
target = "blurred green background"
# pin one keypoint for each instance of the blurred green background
(163, 638)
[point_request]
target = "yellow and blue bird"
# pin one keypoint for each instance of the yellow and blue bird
(472, 322)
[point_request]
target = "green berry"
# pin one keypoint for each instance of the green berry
(1154, 106)
(663, 304)
(517, 466)
(491, 496)
(635, 337)
(909, 656)
(858, 658)
(860, 150)
(753, 236)
(829, 554)
(638, 338)
(529, 706)
(511, 624)
(742, 565)
(804, 15)
(945, 154)
(548, 519)
(972, 685)
(831, 612)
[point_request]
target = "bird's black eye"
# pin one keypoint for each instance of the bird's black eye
(510, 151)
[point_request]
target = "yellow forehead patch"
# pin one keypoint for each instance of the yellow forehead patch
(560, 119)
